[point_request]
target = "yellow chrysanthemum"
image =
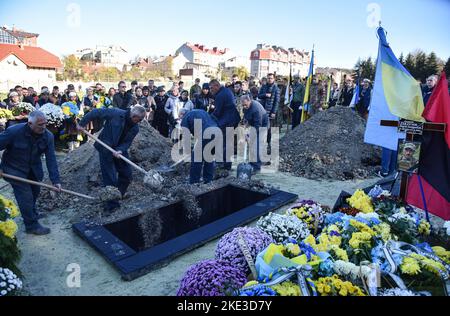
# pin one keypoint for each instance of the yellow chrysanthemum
(340, 253)
(287, 289)
(293, 249)
(410, 266)
(327, 286)
(8, 228)
(442, 253)
(424, 228)
(362, 227)
(428, 264)
(359, 239)
(361, 201)
(383, 230)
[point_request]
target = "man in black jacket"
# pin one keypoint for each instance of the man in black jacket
(161, 118)
(122, 99)
(347, 93)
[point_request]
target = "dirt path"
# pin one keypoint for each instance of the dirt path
(45, 259)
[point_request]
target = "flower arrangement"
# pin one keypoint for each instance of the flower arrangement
(10, 283)
(309, 212)
(23, 109)
(9, 250)
(211, 278)
(8, 211)
(361, 201)
(6, 114)
(228, 247)
(53, 113)
(70, 109)
(283, 227)
(334, 286)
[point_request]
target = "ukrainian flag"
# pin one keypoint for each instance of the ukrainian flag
(307, 89)
(396, 94)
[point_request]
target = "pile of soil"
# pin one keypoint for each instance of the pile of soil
(80, 172)
(329, 146)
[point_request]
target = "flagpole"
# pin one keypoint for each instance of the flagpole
(308, 86)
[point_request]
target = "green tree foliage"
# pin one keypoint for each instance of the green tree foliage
(72, 68)
(447, 67)
(364, 68)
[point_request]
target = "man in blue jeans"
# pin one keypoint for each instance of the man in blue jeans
(226, 115)
(256, 116)
(206, 121)
(23, 146)
(388, 163)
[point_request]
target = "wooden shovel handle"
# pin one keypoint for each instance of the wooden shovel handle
(44, 185)
(114, 152)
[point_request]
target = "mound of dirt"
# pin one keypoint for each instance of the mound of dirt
(329, 146)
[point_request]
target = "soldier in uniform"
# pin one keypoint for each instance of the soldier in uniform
(407, 162)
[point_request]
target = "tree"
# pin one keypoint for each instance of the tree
(432, 67)
(242, 73)
(420, 69)
(447, 67)
(365, 69)
(410, 64)
(72, 68)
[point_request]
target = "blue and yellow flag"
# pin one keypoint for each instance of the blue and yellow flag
(396, 94)
(307, 89)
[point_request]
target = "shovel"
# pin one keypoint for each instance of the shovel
(245, 170)
(152, 179)
(44, 185)
(170, 169)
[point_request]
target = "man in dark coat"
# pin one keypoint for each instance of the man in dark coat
(196, 166)
(255, 116)
(297, 101)
(122, 99)
(161, 118)
(226, 115)
(120, 127)
(23, 146)
(347, 93)
(270, 100)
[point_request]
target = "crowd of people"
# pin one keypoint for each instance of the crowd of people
(118, 112)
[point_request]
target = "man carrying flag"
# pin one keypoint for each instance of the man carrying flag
(430, 189)
(396, 94)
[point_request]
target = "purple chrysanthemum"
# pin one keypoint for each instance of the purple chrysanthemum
(228, 247)
(211, 278)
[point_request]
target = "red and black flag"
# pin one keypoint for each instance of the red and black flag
(432, 185)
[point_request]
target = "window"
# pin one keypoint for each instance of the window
(6, 38)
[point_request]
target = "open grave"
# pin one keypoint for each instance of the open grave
(139, 244)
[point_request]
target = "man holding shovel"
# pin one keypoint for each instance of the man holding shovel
(23, 146)
(255, 116)
(120, 127)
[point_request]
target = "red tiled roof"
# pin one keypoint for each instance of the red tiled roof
(31, 56)
(202, 49)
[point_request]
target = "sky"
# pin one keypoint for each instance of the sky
(341, 31)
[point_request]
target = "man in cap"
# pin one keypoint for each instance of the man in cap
(120, 127)
(407, 161)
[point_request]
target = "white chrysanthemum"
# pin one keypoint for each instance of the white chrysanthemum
(396, 292)
(348, 269)
(282, 227)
